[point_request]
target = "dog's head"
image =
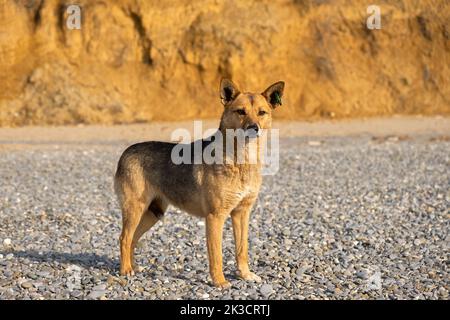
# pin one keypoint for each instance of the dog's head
(250, 112)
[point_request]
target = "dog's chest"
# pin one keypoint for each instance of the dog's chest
(225, 189)
(237, 194)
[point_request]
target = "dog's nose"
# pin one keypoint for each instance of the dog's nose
(253, 127)
(253, 130)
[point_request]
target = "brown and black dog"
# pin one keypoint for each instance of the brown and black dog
(147, 181)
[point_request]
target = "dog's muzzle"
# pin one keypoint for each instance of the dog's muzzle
(253, 131)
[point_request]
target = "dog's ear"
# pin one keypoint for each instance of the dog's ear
(228, 91)
(274, 93)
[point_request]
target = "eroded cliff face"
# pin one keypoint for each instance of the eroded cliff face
(141, 60)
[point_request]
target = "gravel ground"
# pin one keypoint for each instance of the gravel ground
(344, 218)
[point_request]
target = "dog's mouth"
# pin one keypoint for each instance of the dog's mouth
(252, 134)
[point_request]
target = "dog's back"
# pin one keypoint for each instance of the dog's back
(147, 170)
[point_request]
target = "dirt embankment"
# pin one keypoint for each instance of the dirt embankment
(137, 61)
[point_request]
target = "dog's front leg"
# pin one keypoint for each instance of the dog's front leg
(240, 217)
(214, 230)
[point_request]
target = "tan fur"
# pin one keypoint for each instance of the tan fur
(147, 181)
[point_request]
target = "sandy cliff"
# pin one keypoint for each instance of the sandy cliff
(135, 61)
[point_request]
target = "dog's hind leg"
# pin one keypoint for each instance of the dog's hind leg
(132, 213)
(150, 217)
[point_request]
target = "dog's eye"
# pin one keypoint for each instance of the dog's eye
(240, 112)
(261, 113)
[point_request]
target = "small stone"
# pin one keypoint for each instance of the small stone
(100, 287)
(26, 285)
(362, 274)
(331, 288)
(139, 268)
(7, 242)
(375, 281)
(73, 268)
(266, 289)
(314, 143)
(443, 292)
(161, 260)
(122, 281)
(299, 272)
(201, 223)
(96, 294)
(76, 293)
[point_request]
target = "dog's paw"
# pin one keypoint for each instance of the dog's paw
(126, 271)
(222, 284)
(249, 276)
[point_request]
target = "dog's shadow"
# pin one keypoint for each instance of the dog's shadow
(85, 260)
(91, 260)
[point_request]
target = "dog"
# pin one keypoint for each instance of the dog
(147, 182)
